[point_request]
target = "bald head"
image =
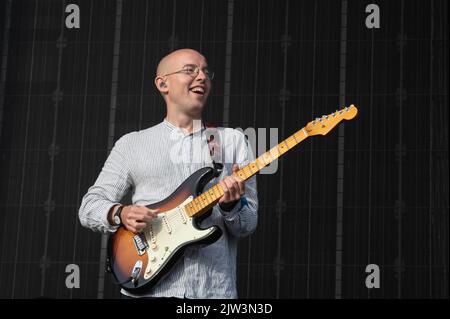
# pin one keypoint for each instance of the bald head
(171, 61)
(182, 91)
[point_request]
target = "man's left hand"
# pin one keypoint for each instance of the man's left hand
(233, 188)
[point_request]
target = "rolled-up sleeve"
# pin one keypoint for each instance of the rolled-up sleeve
(111, 185)
(242, 220)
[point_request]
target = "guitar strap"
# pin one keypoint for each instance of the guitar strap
(215, 150)
(215, 147)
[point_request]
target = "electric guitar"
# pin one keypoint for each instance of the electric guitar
(139, 261)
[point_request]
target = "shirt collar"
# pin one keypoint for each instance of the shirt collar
(170, 126)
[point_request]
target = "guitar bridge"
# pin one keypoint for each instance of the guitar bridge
(140, 243)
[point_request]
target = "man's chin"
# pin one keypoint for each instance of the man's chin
(196, 108)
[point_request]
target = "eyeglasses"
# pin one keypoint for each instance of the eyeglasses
(194, 70)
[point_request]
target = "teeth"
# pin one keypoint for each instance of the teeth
(198, 90)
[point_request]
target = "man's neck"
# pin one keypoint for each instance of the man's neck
(183, 121)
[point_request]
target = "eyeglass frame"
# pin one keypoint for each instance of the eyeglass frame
(209, 74)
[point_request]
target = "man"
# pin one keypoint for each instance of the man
(155, 161)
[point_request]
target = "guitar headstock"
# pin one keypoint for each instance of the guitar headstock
(326, 123)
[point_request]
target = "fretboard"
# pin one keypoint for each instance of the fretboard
(205, 201)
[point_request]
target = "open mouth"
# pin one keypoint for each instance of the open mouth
(198, 90)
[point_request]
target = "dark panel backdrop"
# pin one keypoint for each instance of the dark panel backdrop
(373, 191)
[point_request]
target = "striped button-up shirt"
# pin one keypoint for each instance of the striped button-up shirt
(153, 163)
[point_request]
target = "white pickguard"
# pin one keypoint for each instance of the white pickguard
(166, 233)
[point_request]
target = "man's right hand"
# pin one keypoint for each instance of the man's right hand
(135, 218)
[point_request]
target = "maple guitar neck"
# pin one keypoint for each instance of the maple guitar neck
(205, 201)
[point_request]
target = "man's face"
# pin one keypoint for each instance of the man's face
(187, 90)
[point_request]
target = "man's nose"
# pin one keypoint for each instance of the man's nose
(201, 76)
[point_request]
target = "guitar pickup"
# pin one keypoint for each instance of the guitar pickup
(140, 243)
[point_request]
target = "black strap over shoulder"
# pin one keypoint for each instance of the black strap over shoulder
(214, 146)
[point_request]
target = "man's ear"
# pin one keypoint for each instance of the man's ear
(161, 85)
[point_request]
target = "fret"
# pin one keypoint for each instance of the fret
(195, 205)
(290, 142)
(283, 147)
(200, 203)
(304, 133)
(254, 167)
(241, 174)
(193, 208)
(219, 189)
(298, 136)
(216, 191)
(249, 173)
(267, 158)
(188, 209)
(205, 198)
(198, 207)
(260, 162)
(274, 153)
(212, 195)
